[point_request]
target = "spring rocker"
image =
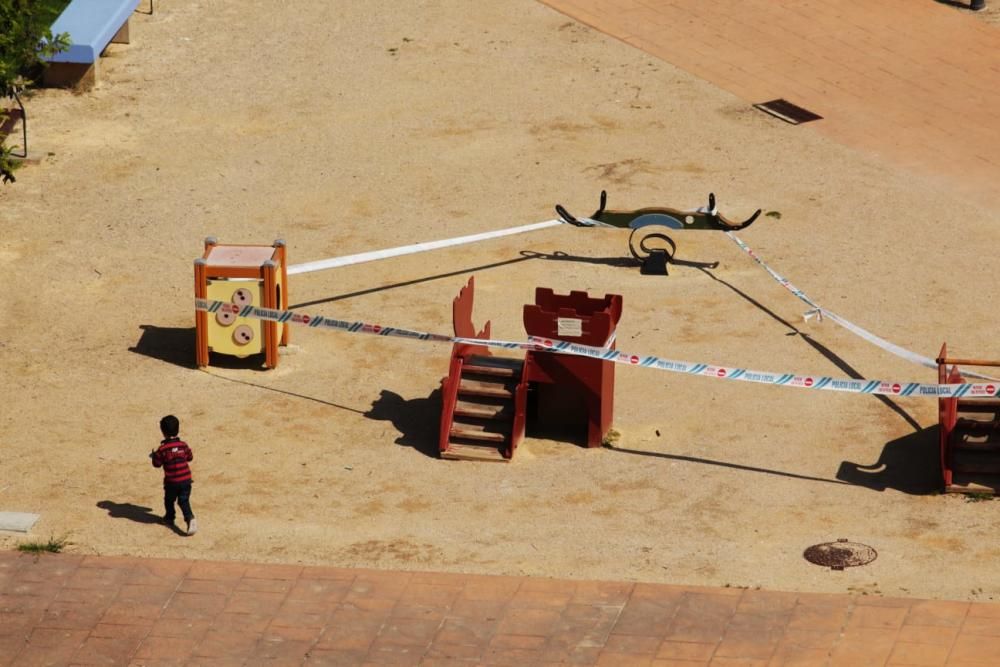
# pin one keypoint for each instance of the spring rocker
(487, 400)
(654, 260)
(969, 433)
(240, 276)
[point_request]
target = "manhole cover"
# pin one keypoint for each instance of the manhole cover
(788, 112)
(840, 554)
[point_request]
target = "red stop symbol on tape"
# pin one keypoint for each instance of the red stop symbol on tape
(547, 343)
(896, 388)
(376, 328)
(721, 372)
(809, 382)
(633, 359)
(305, 319)
(991, 389)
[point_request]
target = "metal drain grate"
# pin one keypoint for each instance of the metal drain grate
(788, 112)
(840, 554)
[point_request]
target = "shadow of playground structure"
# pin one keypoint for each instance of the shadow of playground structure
(911, 464)
(416, 419)
(175, 345)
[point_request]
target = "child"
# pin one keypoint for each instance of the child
(173, 455)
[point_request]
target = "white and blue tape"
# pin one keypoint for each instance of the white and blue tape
(816, 310)
(823, 383)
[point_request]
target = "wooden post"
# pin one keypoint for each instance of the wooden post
(283, 302)
(269, 328)
(200, 316)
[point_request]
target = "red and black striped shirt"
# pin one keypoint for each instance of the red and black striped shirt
(173, 456)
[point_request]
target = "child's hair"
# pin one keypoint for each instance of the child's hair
(170, 426)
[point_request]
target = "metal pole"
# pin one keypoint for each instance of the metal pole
(24, 124)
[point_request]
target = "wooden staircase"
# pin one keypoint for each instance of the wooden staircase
(974, 447)
(482, 419)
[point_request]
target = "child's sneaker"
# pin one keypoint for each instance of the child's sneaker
(192, 526)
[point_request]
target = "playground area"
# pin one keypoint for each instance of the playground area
(360, 127)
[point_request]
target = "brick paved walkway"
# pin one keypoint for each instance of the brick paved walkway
(73, 610)
(913, 81)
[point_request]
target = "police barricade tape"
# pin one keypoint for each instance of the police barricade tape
(883, 387)
(315, 321)
(820, 312)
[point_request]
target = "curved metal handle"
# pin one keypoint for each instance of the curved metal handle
(728, 226)
(573, 220)
(567, 216)
(724, 223)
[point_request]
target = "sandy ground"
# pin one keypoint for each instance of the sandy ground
(345, 127)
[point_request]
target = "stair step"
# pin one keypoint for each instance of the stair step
(495, 366)
(974, 483)
(486, 431)
(973, 425)
(979, 404)
(973, 461)
(971, 421)
(465, 452)
(976, 435)
(483, 408)
(485, 388)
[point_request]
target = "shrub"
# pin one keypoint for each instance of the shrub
(25, 40)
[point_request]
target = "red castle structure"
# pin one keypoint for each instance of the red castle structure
(486, 397)
(970, 432)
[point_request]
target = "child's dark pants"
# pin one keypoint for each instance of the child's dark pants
(181, 493)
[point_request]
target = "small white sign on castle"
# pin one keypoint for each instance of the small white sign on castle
(569, 326)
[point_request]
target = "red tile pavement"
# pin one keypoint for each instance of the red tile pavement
(164, 612)
(913, 81)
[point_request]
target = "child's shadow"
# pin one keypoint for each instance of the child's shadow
(136, 513)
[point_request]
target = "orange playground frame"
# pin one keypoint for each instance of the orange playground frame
(265, 264)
